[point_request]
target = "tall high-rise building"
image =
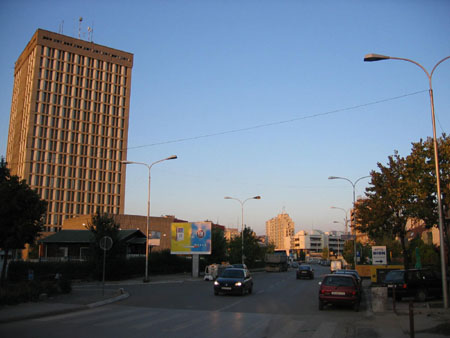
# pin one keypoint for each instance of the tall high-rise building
(280, 231)
(68, 128)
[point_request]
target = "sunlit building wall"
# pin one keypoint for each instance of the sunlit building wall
(69, 124)
(279, 231)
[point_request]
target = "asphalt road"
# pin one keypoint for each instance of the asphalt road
(280, 306)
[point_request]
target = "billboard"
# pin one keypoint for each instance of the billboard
(191, 238)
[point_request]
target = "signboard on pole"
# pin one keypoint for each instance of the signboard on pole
(191, 238)
(154, 238)
(379, 256)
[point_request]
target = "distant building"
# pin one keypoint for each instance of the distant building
(279, 231)
(68, 126)
(334, 243)
(313, 241)
(231, 233)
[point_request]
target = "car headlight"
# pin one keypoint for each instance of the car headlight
(216, 282)
(238, 284)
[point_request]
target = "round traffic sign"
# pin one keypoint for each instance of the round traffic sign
(106, 243)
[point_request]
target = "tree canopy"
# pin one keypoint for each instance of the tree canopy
(402, 190)
(22, 213)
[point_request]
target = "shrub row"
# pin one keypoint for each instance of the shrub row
(26, 291)
(115, 268)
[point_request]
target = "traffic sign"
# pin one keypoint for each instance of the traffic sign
(106, 243)
(379, 256)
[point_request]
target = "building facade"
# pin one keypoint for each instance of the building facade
(279, 231)
(68, 127)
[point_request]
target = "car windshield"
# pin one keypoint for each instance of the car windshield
(344, 272)
(304, 267)
(394, 276)
(232, 273)
(338, 281)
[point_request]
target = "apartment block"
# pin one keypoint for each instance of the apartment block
(280, 230)
(68, 126)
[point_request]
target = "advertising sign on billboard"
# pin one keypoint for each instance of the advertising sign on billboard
(191, 238)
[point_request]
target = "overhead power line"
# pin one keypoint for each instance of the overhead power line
(270, 124)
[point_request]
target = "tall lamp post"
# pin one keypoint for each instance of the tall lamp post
(339, 237)
(378, 57)
(242, 217)
(354, 201)
(149, 167)
(346, 219)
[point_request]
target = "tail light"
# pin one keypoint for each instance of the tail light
(405, 286)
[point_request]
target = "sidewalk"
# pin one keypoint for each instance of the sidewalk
(84, 295)
(430, 318)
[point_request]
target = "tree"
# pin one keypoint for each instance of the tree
(22, 213)
(405, 189)
(104, 225)
(325, 253)
(422, 168)
(218, 246)
(390, 201)
(252, 251)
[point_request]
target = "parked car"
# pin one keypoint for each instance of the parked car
(305, 271)
(234, 280)
(418, 283)
(354, 273)
(339, 289)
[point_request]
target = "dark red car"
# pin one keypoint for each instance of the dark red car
(339, 289)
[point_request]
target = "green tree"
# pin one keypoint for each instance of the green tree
(325, 253)
(218, 247)
(421, 165)
(104, 225)
(348, 252)
(22, 213)
(390, 201)
(252, 250)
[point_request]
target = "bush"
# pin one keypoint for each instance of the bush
(29, 291)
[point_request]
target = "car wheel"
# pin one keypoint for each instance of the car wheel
(250, 290)
(356, 306)
(312, 277)
(320, 305)
(421, 295)
(297, 277)
(242, 291)
(216, 293)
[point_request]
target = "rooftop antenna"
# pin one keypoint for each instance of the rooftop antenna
(61, 27)
(90, 33)
(79, 27)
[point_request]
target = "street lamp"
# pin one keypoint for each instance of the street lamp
(242, 218)
(339, 237)
(149, 167)
(354, 201)
(346, 219)
(378, 57)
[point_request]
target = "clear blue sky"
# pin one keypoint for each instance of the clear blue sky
(262, 97)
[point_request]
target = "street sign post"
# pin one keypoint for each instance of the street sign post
(379, 256)
(106, 243)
